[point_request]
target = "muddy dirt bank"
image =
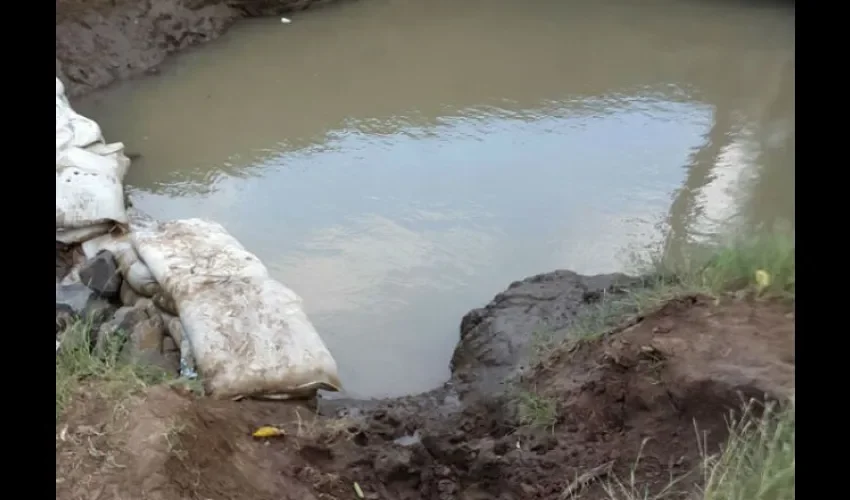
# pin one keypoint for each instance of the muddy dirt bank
(101, 41)
(506, 426)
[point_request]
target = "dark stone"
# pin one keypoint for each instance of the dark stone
(494, 340)
(102, 275)
(143, 332)
(125, 320)
(75, 297)
(98, 310)
(64, 317)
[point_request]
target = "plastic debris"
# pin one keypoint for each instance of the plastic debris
(267, 431)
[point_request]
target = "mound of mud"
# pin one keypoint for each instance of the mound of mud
(100, 41)
(646, 386)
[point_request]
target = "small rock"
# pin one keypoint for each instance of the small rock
(74, 296)
(102, 275)
(148, 305)
(169, 345)
(392, 463)
(145, 345)
(64, 317)
(128, 296)
(170, 362)
(98, 310)
(124, 320)
(75, 300)
(148, 335)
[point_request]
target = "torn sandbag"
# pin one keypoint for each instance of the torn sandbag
(89, 172)
(248, 332)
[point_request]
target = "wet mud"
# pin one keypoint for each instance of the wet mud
(514, 421)
(101, 41)
(508, 425)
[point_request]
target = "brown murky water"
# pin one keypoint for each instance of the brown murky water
(398, 162)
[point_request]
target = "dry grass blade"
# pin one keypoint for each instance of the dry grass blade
(584, 480)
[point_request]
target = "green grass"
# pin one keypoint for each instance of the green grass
(758, 462)
(759, 459)
(731, 265)
(77, 364)
(536, 411)
(710, 269)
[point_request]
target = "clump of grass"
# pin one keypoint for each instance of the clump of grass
(711, 269)
(758, 461)
(534, 410)
(732, 265)
(631, 489)
(78, 362)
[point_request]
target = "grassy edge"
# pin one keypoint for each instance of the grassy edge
(79, 362)
(761, 265)
(757, 461)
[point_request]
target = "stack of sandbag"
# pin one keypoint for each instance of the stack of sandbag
(248, 333)
(138, 281)
(89, 176)
(137, 284)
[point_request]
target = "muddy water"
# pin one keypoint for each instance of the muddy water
(398, 162)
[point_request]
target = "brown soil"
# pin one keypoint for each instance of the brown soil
(644, 384)
(694, 359)
(101, 41)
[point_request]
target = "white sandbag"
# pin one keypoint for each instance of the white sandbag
(89, 172)
(187, 359)
(128, 296)
(141, 279)
(71, 236)
(113, 243)
(73, 129)
(174, 328)
(165, 302)
(248, 332)
(134, 271)
(88, 191)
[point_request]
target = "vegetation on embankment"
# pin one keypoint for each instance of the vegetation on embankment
(760, 265)
(758, 459)
(83, 361)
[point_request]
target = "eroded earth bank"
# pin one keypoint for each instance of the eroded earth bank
(524, 415)
(521, 417)
(101, 41)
